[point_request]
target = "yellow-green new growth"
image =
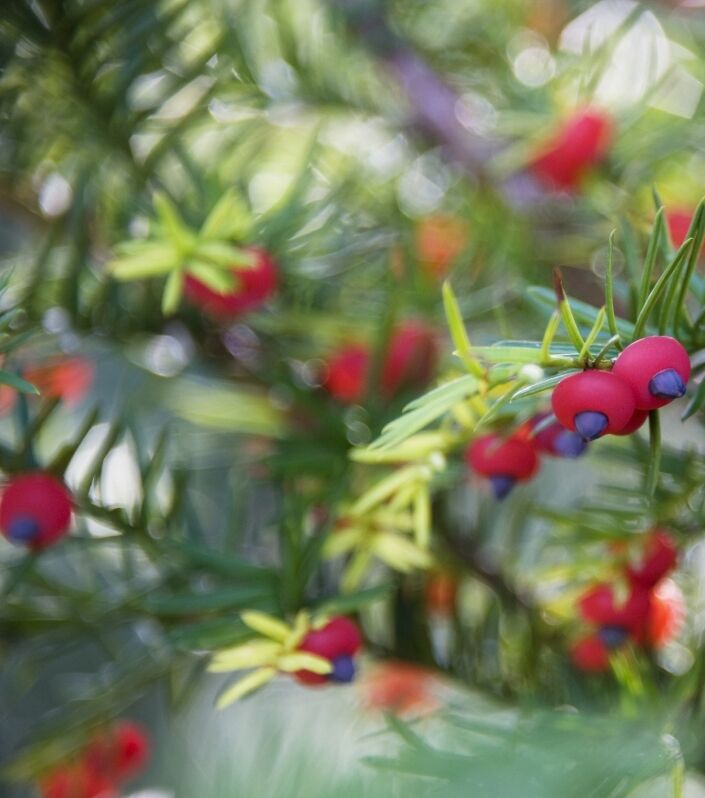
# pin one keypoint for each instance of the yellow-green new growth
(274, 651)
(175, 250)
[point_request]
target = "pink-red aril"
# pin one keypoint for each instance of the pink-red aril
(504, 461)
(338, 641)
(593, 403)
(657, 368)
(256, 283)
(579, 144)
(35, 510)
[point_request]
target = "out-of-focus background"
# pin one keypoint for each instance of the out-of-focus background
(367, 151)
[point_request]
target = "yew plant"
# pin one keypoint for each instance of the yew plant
(351, 357)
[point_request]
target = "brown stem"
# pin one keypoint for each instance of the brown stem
(434, 103)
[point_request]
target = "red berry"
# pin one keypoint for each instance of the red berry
(657, 368)
(346, 379)
(60, 783)
(119, 754)
(35, 510)
(76, 781)
(68, 379)
(598, 606)
(555, 440)
(131, 749)
(593, 403)
(580, 143)
(637, 420)
(590, 655)
(678, 222)
(255, 285)
(400, 688)
(339, 638)
(667, 613)
(410, 359)
(490, 455)
(409, 362)
(502, 461)
(660, 555)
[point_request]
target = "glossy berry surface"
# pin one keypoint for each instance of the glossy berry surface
(593, 403)
(504, 461)
(338, 641)
(256, 283)
(346, 378)
(411, 358)
(582, 142)
(638, 419)
(657, 368)
(35, 510)
(557, 441)
(491, 455)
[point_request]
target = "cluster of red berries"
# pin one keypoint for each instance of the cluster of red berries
(255, 284)
(108, 761)
(580, 143)
(648, 374)
(409, 362)
(35, 510)
(504, 461)
(643, 617)
(338, 642)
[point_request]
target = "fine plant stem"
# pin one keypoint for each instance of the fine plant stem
(652, 474)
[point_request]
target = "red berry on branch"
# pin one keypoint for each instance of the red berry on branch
(35, 510)
(659, 557)
(346, 378)
(598, 605)
(410, 359)
(400, 688)
(590, 655)
(555, 440)
(256, 283)
(338, 641)
(635, 422)
(667, 613)
(68, 379)
(593, 403)
(581, 143)
(503, 461)
(657, 368)
(678, 222)
(409, 362)
(76, 781)
(121, 753)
